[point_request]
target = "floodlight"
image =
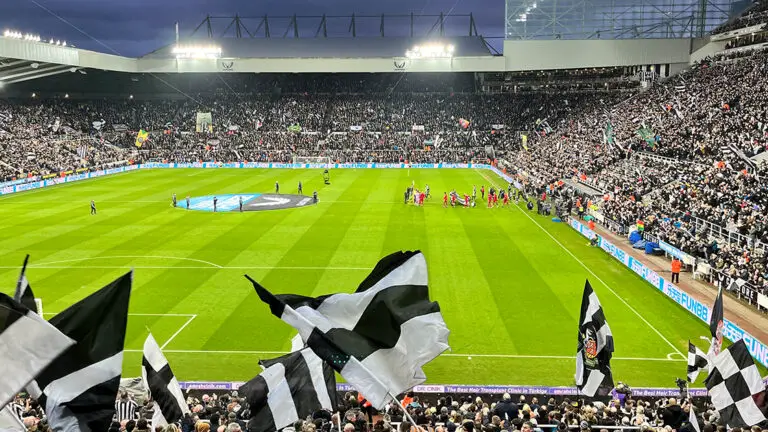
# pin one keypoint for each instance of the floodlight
(197, 51)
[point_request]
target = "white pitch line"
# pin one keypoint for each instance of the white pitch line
(508, 356)
(178, 331)
(143, 314)
(127, 257)
(192, 267)
(595, 276)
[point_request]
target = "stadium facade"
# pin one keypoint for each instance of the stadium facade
(258, 52)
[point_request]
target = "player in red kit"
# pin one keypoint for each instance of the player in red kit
(453, 200)
(490, 200)
(466, 200)
(445, 199)
(495, 199)
(421, 198)
(505, 201)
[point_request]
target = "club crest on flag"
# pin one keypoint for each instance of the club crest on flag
(590, 347)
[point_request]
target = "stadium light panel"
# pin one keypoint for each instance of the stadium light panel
(197, 51)
(436, 50)
(13, 34)
(34, 95)
(66, 95)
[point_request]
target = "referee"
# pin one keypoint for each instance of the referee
(125, 408)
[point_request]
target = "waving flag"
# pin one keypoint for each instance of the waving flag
(141, 138)
(24, 291)
(378, 338)
(595, 349)
(29, 344)
(716, 324)
(169, 403)
(697, 362)
(290, 388)
(78, 389)
(464, 123)
(735, 385)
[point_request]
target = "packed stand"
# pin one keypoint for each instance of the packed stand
(757, 14)
(696, 132)
(229, 412)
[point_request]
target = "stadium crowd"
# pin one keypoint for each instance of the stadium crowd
(228, 412)
(693, 161)
(754, 15)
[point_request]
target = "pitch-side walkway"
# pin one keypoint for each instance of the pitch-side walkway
(746, 316)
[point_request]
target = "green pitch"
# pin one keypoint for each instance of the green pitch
(509, 282)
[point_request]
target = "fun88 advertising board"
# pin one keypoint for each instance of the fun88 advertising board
(731, 331)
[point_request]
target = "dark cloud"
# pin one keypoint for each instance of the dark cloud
(136, 27)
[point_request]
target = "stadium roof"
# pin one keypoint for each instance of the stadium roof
(14, 70)
(360, 47)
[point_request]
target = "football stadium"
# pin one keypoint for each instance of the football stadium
(391, 222)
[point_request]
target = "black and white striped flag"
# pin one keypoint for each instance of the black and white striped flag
(10, 420)
(24, 293)
(378, 338)
(78, 390)
(697, 362)
(28, 344)
(693, 419)
(290, 388)
(82, 151)
(169, 403)
(716, 325)
(593, 356)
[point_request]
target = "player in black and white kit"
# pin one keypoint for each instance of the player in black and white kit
(300, 190)
(174, 200)
(93, 207)
(426, 191)
(215, 201)
(187, 202)
(277, 187)
(240, 201)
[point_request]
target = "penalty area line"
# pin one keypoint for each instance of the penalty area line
(178, 331)
(642, 318)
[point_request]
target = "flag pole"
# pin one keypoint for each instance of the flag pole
(338, 418)
(405, 410)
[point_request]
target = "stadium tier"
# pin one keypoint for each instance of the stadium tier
(436, 236)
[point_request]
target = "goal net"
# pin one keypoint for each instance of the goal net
(325, 161)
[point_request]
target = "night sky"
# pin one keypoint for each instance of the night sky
(136, 27)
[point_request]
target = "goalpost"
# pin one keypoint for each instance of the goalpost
(320, 160)
(39, 304)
